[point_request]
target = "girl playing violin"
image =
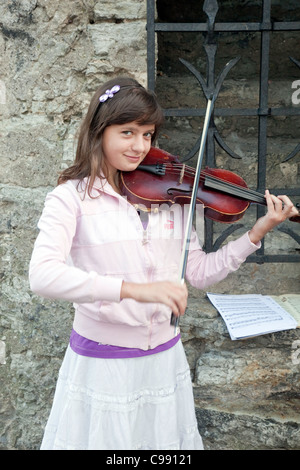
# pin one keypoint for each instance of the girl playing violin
(125, 381)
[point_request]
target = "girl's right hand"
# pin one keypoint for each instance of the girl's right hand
(172, 294)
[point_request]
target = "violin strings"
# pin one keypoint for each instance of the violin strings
(239, 190)
(236, 190)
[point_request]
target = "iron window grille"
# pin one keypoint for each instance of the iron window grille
(209, 85)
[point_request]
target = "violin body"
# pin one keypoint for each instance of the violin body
(162, 179)
(167, 181)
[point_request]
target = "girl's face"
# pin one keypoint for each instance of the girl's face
(125, 146)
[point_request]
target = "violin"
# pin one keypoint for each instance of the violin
(162, 178)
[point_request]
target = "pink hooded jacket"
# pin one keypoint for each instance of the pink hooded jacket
(87, 246)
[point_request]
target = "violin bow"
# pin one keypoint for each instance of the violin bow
(188, 229)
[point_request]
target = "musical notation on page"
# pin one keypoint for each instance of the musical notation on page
(251, 314)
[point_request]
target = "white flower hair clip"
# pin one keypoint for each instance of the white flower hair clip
(109, 93)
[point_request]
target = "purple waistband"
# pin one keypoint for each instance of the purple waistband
(87, 347)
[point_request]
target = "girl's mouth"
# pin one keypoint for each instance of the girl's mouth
(133, 159)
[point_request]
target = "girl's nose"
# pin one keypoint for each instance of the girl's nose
(139, 144)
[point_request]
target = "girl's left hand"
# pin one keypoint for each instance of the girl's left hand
(280, 208)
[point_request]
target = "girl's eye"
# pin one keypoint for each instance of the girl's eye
(148, 135)
(131, 132)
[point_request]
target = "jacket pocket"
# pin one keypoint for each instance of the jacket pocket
(126, 312)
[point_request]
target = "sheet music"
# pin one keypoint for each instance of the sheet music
(290, 303)
(251, 314)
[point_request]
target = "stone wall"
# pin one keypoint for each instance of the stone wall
(53, 56)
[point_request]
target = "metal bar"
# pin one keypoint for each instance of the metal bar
(233, 112)
(286, 26)
(263, 106)
(151, 61)
(202, 27)
(263, 99)
(273, 259)
(229, 27)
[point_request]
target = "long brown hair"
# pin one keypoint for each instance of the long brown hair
(133, 103)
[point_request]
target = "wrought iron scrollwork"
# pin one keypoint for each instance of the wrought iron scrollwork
(212, 85)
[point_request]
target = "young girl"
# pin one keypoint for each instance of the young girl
(124, 382)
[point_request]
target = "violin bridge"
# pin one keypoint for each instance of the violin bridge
(182, 174)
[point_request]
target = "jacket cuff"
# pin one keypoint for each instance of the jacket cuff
(107, 288)
(246, 245)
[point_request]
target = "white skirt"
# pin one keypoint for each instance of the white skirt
(141, 403)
